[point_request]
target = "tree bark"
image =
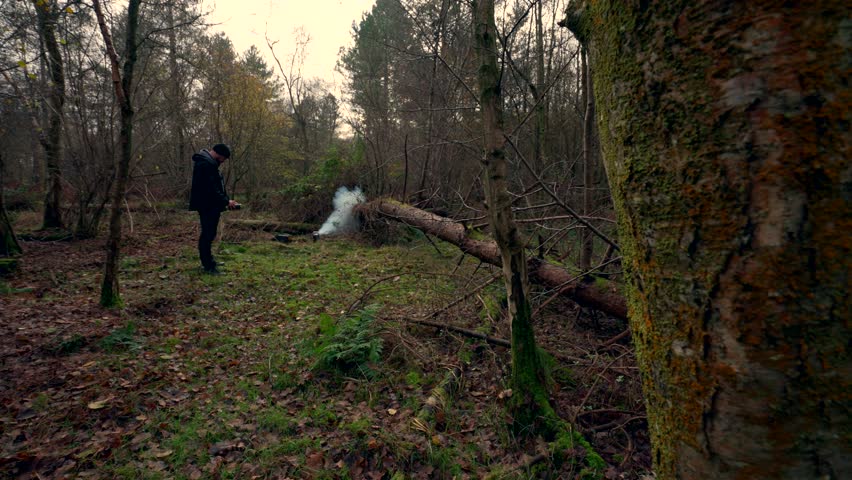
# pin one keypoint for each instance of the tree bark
(587, 250)
(9, 245)
(540, 271)
(433, 80)
(176, 94)
(47, 14)
(725, 129)
(529, 405)
(122, 82)
(538, 91)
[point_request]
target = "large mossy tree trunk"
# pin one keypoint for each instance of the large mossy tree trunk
(47, 14)
(725, 128)
(529, 405)
(122, 79)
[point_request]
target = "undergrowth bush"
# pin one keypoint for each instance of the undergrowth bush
(350, 345)
(308, 198)
(23, 197)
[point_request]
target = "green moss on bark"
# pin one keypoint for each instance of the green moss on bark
(530, 404)
(110, 297)
(567, 439)
(725, 130)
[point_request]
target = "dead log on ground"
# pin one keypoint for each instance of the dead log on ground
(540, 271)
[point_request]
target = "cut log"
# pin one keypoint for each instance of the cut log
(540, 271)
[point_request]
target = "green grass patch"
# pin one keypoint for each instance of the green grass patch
(6, 289)
(276, 420)
(413, 379)
(360, 427)
(68, 345)
(276, 318)
(121, 339)
(129, 263)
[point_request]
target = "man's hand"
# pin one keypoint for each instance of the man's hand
(232, 204)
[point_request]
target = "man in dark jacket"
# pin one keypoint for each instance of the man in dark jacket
(209, 199)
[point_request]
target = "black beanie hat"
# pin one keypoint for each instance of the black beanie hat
(222, 149)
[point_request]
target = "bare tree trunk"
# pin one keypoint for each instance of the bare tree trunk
(433, 80)
(529, 405)
(9, 245)
(177, 100)
(47, 14)
(294, 83)
(37, 173)
(725, 129)
(122, 81)
(538, 91)
(587, 238)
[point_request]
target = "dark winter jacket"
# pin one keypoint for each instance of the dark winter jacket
(208, 186)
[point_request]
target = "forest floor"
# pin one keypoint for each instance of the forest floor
(299, 362)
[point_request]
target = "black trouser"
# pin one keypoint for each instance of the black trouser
(209, 224)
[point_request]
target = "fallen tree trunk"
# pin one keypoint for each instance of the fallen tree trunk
(540, 271)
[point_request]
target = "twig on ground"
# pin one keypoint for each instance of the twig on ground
(470, 279)
(616, 424)
(433, 244)
(629, 451)
(592, 388)
(458, 264)
(464, 331)
(366, 292)
(616, 338)
(465, 296)
(605, 410)
(405, 343)
(369, 289)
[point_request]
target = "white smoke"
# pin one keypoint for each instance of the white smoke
(341, 219)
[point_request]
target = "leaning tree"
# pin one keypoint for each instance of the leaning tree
(725, 128)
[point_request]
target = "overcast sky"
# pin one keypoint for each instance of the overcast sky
(328, 22)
